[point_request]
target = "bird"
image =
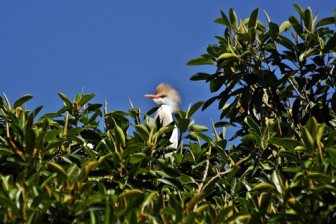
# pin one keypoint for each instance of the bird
(167, 98)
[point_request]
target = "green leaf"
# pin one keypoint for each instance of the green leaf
(296, 24)
(287, 43)
(253, 125)
(200, 76)
(223, 20)
(194, 200)
(192, 109)
(132, 149)
(150, 199)
(209, 102)
(199, 61)
(183, 124)
(290, 157)
(120, 135)
(307, 139)
(253, 19)
(326, 21)
(74, 131)
(202, 136)
(185, 179)
(273, 30)
(308, 19)
(299, 10)
(198, 128)
(171, 182)
(306, 54)
(233, 18)
(226, 56)
(331, 43)
(22, 100)
(142, 131)
(65, 99)
(284, 26)
(136, 158)
(277, 182)
(108, 214)
(82, 99)
(58, 168)
(319, 177)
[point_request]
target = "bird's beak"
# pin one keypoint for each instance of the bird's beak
(151, 96)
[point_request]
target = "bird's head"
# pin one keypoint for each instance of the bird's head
(165, 95)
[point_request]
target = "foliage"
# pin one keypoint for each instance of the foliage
(63, 168)
(277, 85)
(277, 74)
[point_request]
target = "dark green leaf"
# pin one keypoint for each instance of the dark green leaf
(299, 10)
(325, 22)
(331, 43)
(200, 76)
(308, 19)
(296, 24)
(82, 99)
(65, 99)
(183, 124)
(209, 102)
(223, 20)
(194, 108)
(253, 19)
(233, 18)
(171, 182)
(22, 100)
(273, 30)
(136, 158)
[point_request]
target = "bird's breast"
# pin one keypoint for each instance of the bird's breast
(165, 114)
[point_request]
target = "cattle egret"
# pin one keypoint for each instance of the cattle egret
(167, 98)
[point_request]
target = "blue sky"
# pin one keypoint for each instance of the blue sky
(117, 49)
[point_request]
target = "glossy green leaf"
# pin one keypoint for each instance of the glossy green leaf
(65, 99)
(308, 19)
(193, 108)
(82, 99)
(284, 26)
(22, 100)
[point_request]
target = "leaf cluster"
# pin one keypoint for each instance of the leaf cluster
(273, 73)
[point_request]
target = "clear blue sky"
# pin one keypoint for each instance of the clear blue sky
(116, 49)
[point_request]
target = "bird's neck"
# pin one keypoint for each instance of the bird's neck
(167, 104)
(165, 114)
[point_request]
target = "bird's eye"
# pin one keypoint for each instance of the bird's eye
(162, 96)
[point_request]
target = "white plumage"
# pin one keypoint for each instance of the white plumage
(168, 99)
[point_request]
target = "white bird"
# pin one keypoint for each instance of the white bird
(167, 98)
